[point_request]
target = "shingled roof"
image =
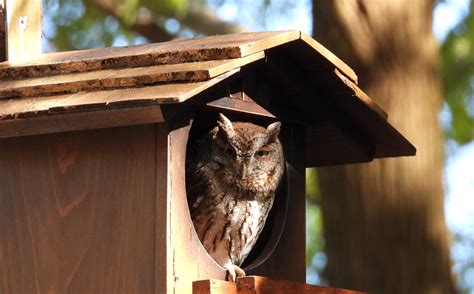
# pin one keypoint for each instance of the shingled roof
(123, 85)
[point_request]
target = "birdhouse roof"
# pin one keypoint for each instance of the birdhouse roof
(129, 85)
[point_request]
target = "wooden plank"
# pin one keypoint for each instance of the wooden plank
(246, 106)
(330, 145)
(77, 213)
(3, 29)
(365, 115)
(24, 29)
(213, 286)
(123, 78)
(80, 121)
(269, 42)
(163, 258)
(13, 109)
(361, 95)
(188, 50)
(262, 285)
(338, 63)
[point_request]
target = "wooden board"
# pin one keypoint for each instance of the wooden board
(123, 78)
(213, 286)
(80, 121)
(357, 92)
(263, 285)
(13, 109)
(338, 63)
(78, 212)
(180, 51)
(24, 29)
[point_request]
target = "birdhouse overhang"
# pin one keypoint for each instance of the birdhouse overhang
(285, 76)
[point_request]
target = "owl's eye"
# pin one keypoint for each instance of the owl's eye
(229, 151)
(261, 153)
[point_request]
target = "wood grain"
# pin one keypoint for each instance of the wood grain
(77, 213)
(123, 78)
(263, 285)
(14, 109)
(213, 286)
(179, 51)
(336, 61)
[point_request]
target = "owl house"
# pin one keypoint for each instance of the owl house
(93, 151)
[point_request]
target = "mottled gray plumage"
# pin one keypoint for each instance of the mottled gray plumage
(231, 181)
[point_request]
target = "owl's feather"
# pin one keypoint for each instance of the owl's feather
(231, 182)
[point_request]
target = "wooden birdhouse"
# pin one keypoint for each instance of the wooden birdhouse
(93, 149)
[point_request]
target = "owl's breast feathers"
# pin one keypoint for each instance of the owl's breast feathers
(228, 218)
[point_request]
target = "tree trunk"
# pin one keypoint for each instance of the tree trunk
(384, 224)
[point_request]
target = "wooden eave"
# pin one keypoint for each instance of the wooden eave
(128, 85)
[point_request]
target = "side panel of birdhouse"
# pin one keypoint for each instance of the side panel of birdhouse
(78, 212)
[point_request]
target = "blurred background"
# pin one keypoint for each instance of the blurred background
(392, 226)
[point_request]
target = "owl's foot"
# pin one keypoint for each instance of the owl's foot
(234, 272)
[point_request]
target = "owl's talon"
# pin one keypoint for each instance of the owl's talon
(234, 272)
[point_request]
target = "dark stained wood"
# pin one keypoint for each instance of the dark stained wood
(54, 123)
(78, 212)
(163, 260)
(3, 28)
(343, 125)
(357, 92)
(338, 63)
(263, 285)
(123, 78)
(24, 30)
(330, 145)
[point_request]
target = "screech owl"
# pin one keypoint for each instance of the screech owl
(231, 180)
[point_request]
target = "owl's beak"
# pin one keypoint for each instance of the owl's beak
(247, 168)
(245, 172)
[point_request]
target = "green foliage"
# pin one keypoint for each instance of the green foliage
(76, 24)
(457, 72)
(314, 224)
(79, 24)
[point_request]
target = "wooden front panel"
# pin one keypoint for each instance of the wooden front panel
(77, 212)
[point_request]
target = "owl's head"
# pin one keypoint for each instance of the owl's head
(247, 151)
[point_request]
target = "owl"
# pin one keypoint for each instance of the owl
(231, 179)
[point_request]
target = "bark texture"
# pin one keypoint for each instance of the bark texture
(384, 221)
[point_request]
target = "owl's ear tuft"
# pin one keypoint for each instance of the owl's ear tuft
(225, 125)
(273, 129)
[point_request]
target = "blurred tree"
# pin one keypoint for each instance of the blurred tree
(384, 228)
(79, 24)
